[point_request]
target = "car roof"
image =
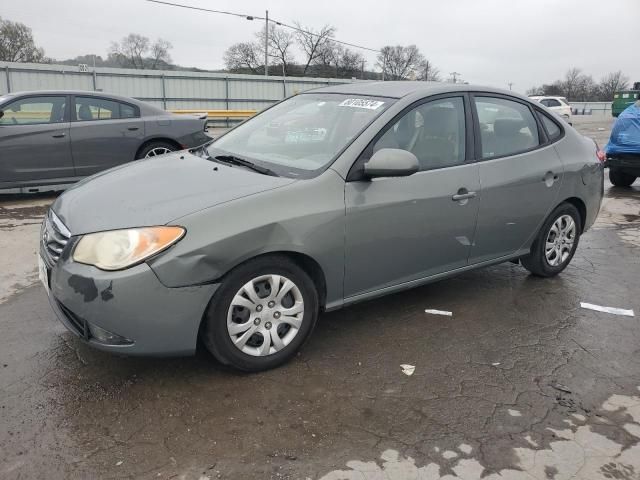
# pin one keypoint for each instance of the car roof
(540, 97)
(399, 89)
(73, 92)
(145, 107)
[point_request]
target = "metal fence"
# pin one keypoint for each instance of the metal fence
(591, 108)
(168, 89)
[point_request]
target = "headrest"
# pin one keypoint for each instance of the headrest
(505, 127)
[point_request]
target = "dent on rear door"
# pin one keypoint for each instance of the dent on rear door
(517, 195)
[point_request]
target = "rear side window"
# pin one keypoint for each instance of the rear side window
(128, 111)
(91, 108)
(506, 127)
(553, 130)
(34, 110)
(551, 102)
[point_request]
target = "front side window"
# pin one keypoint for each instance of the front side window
(434, 132)
(90, 108)
(506, 127)
(302, 134)
(34, 110)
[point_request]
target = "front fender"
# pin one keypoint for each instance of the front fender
(306, 217)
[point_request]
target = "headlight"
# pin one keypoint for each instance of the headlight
(118, 249)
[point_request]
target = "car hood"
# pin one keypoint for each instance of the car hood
(155, 192)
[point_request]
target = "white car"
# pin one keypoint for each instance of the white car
(560, 105)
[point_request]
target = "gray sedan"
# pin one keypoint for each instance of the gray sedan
(50, 139)
(331, 197)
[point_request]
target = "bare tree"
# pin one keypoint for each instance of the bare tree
(313, 43)
(17, 44)
(612, 83)
(427, 71)
(279, 45)
(571, 83)
(137, 51)
(243, 56)
(130, 51)
(399, 62)
(348, 63)
(160, 53)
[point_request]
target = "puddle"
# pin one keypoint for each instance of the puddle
(580, 451)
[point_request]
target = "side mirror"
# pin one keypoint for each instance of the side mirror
(391, 162)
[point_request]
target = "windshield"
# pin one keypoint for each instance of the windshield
(302, 134)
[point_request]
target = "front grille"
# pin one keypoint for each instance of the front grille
(54, 237)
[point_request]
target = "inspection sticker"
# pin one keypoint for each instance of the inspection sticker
(361, 103)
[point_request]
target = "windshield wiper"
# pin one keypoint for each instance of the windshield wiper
(233, 160)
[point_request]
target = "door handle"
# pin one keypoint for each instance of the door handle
(59, 135)
(133, 128)
(463, 196)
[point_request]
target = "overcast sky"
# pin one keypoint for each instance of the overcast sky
(490, 42)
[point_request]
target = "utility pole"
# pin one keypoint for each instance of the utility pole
(510, 85)
(455, 76)
(266, 43)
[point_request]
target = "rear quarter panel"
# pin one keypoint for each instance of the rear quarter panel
(584, 173)
(187, 131)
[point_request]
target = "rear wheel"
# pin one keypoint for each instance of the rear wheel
(620, 179)
(153, 149)
(556, 243)
(262, 313)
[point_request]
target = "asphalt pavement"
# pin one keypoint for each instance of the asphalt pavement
(520, 382)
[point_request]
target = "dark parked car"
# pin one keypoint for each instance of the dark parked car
(50, 139)
(382, 187)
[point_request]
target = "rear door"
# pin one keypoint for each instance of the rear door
(104, 133)
(34, 140)
(404, 229)
(520, 174)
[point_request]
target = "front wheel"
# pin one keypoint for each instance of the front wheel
(556, 243)
(262, 313)
(620, 179)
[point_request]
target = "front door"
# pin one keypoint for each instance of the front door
(400, 230)
(104, 133)
(520, 173)
(34, 140)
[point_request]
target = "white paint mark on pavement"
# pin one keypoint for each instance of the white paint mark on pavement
(438, 312)
(613, 310)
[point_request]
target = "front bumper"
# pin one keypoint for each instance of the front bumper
(131, 303)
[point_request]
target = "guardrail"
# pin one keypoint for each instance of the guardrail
(215, 117)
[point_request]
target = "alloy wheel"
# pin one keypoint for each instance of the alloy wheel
(560, 240)
(154, 152)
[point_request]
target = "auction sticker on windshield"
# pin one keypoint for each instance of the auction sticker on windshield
(361, 103)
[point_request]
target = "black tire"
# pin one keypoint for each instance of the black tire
(620, 179)
(144, 151)
(214, 333)
(536, 262)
